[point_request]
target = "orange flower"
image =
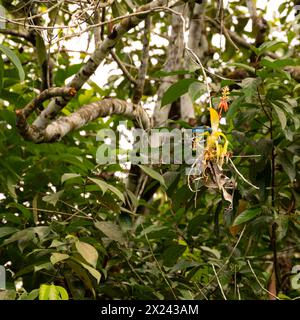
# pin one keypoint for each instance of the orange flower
(223, 105)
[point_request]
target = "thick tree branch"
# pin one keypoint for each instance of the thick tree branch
(23, 114)
(103, 108)
(137, 178)
(94, 61)
(197, 42)
(46, 95)
(173, 62)
(29, 36)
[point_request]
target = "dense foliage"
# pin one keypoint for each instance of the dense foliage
(71, 229)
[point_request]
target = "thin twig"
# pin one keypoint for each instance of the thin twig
(256, 278)
(122, 67)
(237, 171)
(205, 297)
(62, 213)
(158, 264)
(247, 156)
(129, 15)
(229, 257)
(219, 283)
(229, 38)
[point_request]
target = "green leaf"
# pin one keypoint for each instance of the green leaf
(214, 252)
(14, 59)
(153, 228)
(26, 213)
(88, 252)
(105, 186)
(133, 198)
(153, 174)
(282, 222)
(95, 273)
(101, 184)
(130, 4)
(281, 116)
(172, 253)
(81, 272)
(40, 49)
(111, 230)
(297, 87)
(282, 7)
(32, 295)
(62, 292)
(44, 292)
(243, 66)
(117, 192)
(278, 63)
(196, 90)
(5, 231)
(246, 215)
(43, 266)
(57, 257)
(68, 176)
(53, 198)
(53, 293)
(286, 160)
(269, 46)
(11, 186)
(23, 235)
(176, 90)
(42, 232)
(1, 72)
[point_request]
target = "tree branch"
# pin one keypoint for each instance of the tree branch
(173, 62)
(37, 41)
(94, 61)
(23, 114)
(140, 83)
(97, 30)
(46, 95)
(234, 37)
(122, 67)
(103, 108)
(29, 36)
